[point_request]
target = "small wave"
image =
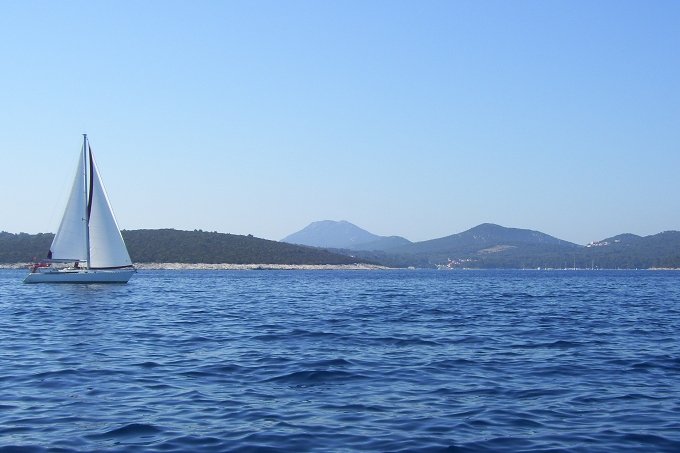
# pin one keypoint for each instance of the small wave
(451, 363)
(191, 443)
(55, 373)
(148, 364)
(536, 393)
(197, 339)
(161, 386)
(311, 333)
(14, 430)
(329, 363)
(662, 364)
(355, 407)
(557, 344)
(476, 392)
(21, 449)
(638, 397)
(396, 341)
(208, 371)
(315, 377)
(269, 337)
(500, 444)
(129, 430)
(518, 295)
(652, 441)
(469, 339)
(295, 333)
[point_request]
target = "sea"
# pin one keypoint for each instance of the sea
(343, 361)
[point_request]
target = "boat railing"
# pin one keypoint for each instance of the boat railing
(57, 264)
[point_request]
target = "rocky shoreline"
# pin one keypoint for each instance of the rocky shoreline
(233, 267)
(251, 267)
(239, 267)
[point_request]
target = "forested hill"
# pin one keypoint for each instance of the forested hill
(23, 248)
(493, 246)
(485, 246)
(175, 246)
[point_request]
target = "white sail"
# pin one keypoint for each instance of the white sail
(69, 242)
(88, 235)
(107, 248)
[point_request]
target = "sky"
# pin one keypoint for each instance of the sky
(413, 118)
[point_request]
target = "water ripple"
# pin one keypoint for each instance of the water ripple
(397, 361)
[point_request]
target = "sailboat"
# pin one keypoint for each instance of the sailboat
(88, 246)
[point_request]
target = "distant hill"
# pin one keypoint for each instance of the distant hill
(494, 246)
(23, 247)
(342, 235)
(486, 237)
(486, 245)
(629, 251)
(384, 243)
(167, 245)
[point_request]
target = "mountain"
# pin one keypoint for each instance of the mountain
(487, 238)
(168, 245)
(494, 246)
(486, 245)
(630, 251)
(342, 235)
(384, 243)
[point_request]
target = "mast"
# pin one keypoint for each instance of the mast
(86, 213)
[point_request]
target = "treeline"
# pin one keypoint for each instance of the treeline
(634, 252)
(174, 246)
(23, 247)
(168, 245)
(622, 252)
(177, 246)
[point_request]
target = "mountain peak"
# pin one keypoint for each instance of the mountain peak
(493, 232)
(341, 235)
(330, 234)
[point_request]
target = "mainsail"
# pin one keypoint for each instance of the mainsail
(88, 224)
(69, 243)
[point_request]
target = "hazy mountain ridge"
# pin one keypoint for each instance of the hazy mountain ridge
(494, 246)
(490, 245)
(484, 246)
(485, 236)
(342, 234)
(384, 243)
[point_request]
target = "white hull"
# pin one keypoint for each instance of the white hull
(80, 276)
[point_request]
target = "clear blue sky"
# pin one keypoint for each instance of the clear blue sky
(418, 118)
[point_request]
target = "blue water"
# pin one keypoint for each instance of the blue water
(343, 361)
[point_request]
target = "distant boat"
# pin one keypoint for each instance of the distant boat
(88, 246)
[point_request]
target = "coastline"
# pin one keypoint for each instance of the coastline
(250, 267)
(233, 267)
(282, 267)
